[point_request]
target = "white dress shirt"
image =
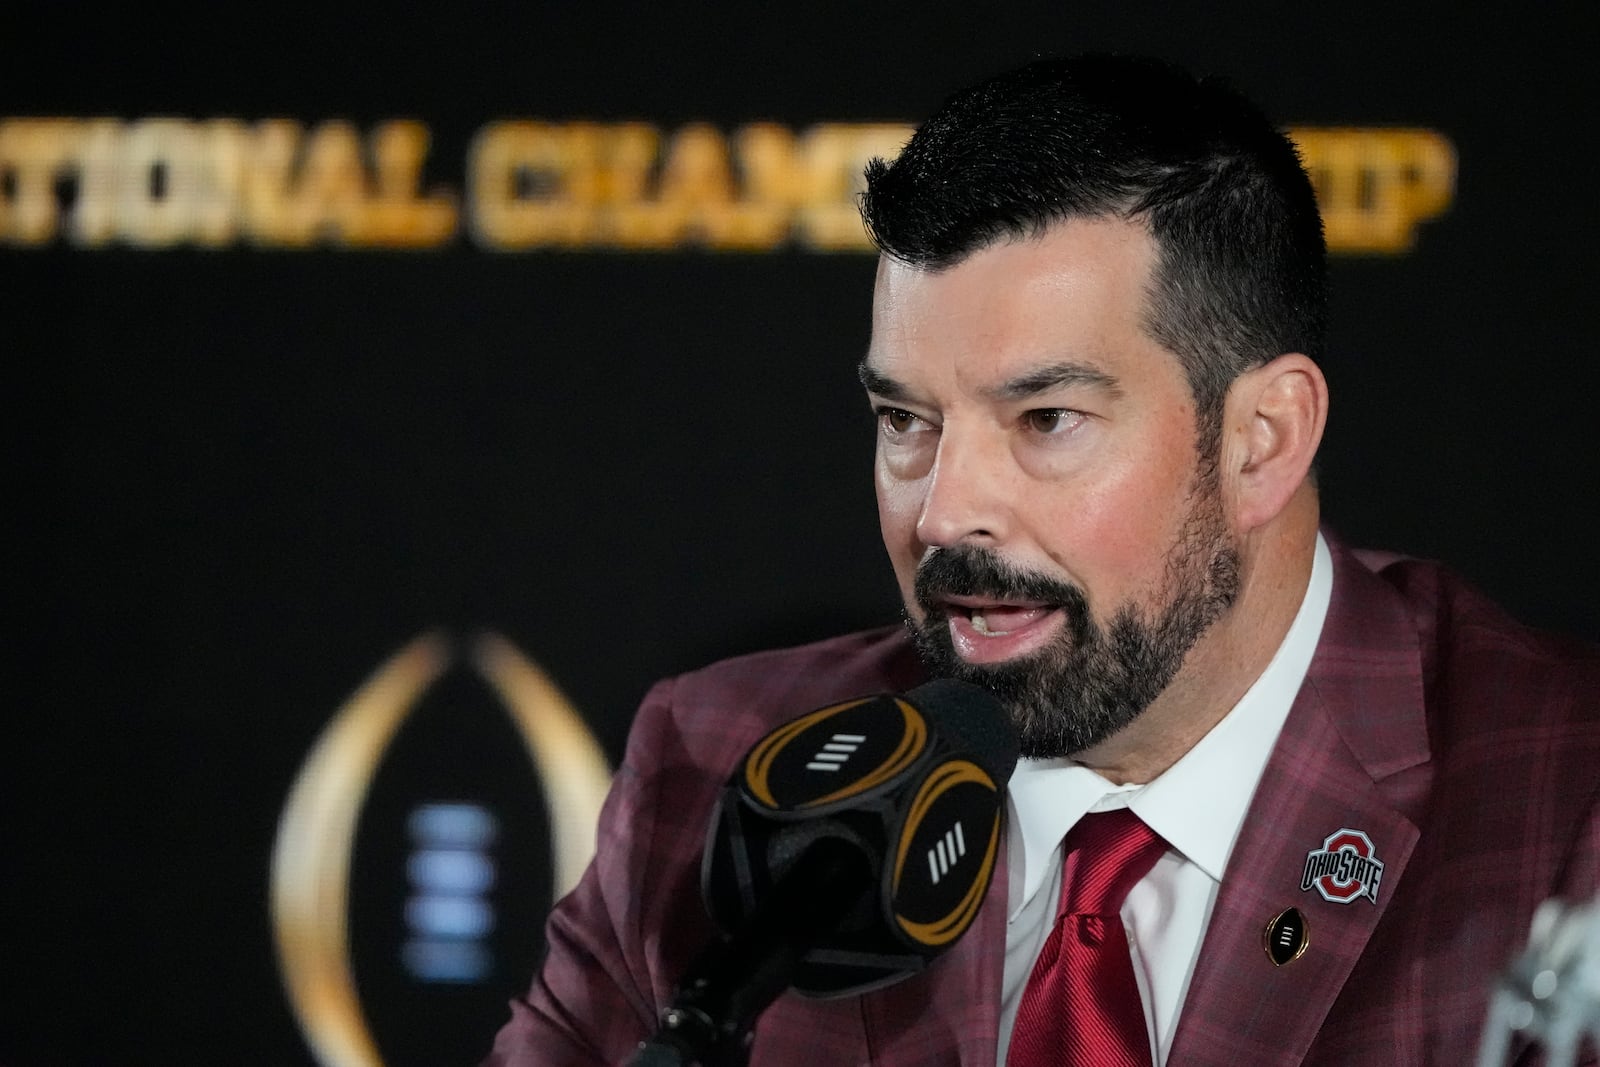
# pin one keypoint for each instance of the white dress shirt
(1198, 804)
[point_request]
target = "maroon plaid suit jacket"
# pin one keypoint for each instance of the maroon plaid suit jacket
(1466, 747)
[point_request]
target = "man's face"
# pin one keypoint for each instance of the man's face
(1054, 533)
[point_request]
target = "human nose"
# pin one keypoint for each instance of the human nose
(963, 500)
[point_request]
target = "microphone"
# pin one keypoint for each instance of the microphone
(850, 847)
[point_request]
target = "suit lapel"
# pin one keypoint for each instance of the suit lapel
(1356, 722)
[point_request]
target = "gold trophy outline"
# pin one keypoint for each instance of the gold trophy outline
(310, 880)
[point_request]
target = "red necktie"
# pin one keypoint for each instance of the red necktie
(1081, 1006)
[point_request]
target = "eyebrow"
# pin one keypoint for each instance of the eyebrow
(1039, 380)
(1055, 376)
(876, 382)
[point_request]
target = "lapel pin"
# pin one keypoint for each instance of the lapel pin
(1285, 937)
(1345, 869)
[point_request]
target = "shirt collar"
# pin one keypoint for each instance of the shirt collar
(1199, 803)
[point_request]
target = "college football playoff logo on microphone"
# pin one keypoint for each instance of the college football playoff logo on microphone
(935, 901)
(835, 755)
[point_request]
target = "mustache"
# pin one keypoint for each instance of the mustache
(969, 570)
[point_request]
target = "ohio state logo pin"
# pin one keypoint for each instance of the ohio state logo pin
(1345, 869)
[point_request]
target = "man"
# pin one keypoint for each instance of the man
(1096, 326)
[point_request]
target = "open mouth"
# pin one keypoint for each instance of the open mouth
(986, 631)
(1003, 619)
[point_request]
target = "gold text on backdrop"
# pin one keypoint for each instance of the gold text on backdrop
(532, 184)
(160, 182)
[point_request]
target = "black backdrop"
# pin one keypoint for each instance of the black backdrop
(241, 479)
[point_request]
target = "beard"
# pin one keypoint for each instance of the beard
(1091, 681)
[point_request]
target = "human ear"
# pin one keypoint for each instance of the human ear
(1273, 422)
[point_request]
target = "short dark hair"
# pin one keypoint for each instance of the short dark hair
(1241, 270)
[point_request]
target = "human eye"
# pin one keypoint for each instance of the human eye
(897, 422)
(1052, 422)
(907, 442)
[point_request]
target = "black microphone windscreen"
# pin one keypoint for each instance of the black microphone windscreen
(973, 720)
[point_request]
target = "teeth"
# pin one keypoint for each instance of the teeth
(980, 624)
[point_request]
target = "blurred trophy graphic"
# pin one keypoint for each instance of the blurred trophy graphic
(1551, 991)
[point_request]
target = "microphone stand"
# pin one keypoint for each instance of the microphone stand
(709, 1020)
